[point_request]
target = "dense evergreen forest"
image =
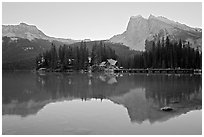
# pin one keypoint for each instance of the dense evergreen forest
(67, 57)
(158, 54)
(166, 54)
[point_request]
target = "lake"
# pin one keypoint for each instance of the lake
(99, 103)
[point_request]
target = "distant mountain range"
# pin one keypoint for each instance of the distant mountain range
(30, 32)
(22, 43)
(140, 29)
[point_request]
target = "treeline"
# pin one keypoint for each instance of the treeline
(157, 54)
(77, 58)
(166, 54)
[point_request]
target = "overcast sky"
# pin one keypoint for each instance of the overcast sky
(95, 20)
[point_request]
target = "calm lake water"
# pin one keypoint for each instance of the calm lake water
(56, 103)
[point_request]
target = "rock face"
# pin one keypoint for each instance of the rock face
(30, 32)
(140, 29)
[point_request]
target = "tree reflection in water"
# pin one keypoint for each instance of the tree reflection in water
(143, 95)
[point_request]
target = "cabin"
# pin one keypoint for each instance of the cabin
(111, 64)
(108, 65)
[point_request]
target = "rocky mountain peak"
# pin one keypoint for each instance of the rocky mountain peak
(30, 32)
(140, 29)
(22, 30)
(135, 22)
(23, 24)
(136, 17)
(151, 17)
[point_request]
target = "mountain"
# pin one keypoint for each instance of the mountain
(140, 29)
(20, 53)
(22, 43)
(30, 32)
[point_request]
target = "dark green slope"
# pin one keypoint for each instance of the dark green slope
(20, 54)
(120, 49)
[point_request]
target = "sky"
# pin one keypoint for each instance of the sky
(95, 21)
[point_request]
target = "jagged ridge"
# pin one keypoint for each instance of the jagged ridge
(140, 29)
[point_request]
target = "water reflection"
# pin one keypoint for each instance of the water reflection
(143, 95)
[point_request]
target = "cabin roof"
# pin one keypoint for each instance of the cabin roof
(112, 62)
(102, 64)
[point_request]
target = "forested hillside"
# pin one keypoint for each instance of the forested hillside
(158, 54)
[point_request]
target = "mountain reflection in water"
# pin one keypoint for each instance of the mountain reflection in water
(26, 93)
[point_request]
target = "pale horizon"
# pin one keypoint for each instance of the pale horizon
(95, 21)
